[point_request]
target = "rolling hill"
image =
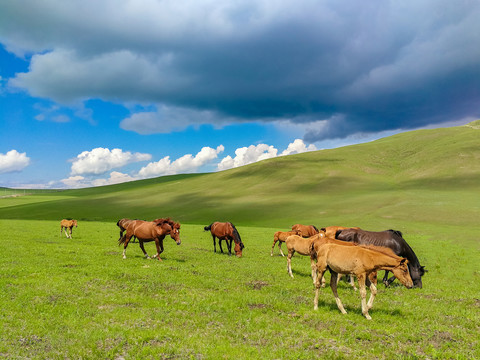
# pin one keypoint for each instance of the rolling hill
(423, 176)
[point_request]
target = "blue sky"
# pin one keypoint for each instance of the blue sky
(100, 92)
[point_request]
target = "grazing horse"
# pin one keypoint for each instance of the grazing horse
(147, 231)
(305, 230)
(281, 236)
(67, 224)
(330, 231)
(391, 239)
(360, 261)
(228, 232)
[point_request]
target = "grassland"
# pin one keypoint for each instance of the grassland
(72, 299)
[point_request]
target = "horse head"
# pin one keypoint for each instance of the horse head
(416, 273)
(74, 222)
(238, 248)
(175, 233)
(402, 273)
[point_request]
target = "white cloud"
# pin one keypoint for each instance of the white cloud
(101, 160)
(251, 154)
(74, 182)
(185, 164)
(248, 155)
(297, 147)
(13, 161)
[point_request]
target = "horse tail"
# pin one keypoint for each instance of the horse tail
(122, 240)
(237, 236)
(208, 228)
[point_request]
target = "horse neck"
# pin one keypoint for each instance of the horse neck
(384, 262)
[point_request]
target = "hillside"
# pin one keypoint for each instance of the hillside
(424, 176)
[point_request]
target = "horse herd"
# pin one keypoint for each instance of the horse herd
(341, 250)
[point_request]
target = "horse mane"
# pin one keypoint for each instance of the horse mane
(237, 235)
(396, 232)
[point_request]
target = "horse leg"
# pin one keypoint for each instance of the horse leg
(392, 279)
(385, 278)
(66, 233)
(289, 262)
(159, 249)
(220, 244)
(125, 244)
(321, 268)
(333, 286)
(373, 289)
(71, 229)
(143, 249)
(229, 246)
(313, 265)
(215, 244)
(280, 248)
(363, 295)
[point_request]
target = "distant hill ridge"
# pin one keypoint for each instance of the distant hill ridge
(404, 176)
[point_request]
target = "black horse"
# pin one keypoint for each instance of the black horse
(392, 239)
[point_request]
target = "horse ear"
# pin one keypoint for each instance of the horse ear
(403, 261)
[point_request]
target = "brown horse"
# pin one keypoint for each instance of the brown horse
(147, 231)
(67, 224)
(281, 237)
(228, 232)
(330, 231)
(305, 230)
(360, 261)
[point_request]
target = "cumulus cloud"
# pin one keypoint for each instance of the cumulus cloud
(13, 161)
(254, 153)
(360, 67)
(102, 160)
(185, 164)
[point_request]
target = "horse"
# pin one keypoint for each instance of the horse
(67, 224)
(147, 231)
(392, 239)
(362, 262)
(305, 230)
(330, 231)
(228, 232)
(281, 236)
(301, 245)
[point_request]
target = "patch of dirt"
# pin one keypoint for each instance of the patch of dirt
(257, 285)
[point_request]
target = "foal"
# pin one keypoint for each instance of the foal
(281, 237)
(296, 243)
(360, 261)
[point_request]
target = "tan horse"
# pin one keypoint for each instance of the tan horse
(301, 245)
(67, 224)
(228, 232)
(330, 231)
(305, 230)
(147, 231)
(360, 261)
(281, 237)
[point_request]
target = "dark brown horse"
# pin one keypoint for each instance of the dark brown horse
(391, 239)
(228, 232)
(147, 231)
(67, 224)
(330, 231)
(305, 230)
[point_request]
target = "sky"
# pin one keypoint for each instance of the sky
(97, 92)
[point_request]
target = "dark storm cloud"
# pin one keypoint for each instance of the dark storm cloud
(359, 66)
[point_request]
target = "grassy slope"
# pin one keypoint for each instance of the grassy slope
(421, 176)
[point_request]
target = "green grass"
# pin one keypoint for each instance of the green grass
(77, 298)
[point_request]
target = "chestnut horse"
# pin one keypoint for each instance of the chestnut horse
(147, 231)
(360, 261)
(330, 231)
(281, 236)
(67, 224)
(228, 232)
(305, 230)
(392, 239)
